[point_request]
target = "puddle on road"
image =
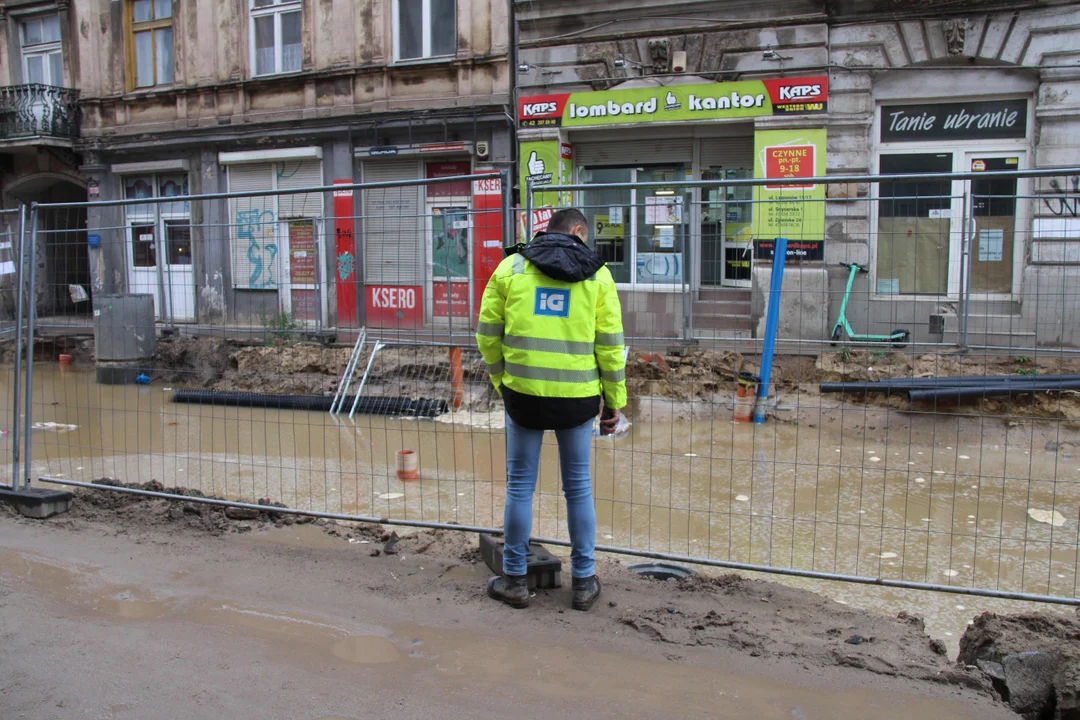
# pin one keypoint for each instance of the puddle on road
(945, 493)
(73, 586)
(308, 536)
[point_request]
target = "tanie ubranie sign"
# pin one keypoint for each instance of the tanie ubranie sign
(977, 120)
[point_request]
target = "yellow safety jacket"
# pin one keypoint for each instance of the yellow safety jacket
(550, 337)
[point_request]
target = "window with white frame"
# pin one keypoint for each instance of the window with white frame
(424, 29)
(275, 36)
(151, 60)
(42, 54)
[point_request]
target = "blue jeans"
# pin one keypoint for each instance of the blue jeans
(522, 466)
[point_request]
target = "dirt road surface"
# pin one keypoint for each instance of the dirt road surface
(117, 618)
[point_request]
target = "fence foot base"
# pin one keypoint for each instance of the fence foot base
(37, 502)
(543, 569)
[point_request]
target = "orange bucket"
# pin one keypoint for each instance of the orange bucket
(408, 465)
(65, 362)
(745, 396)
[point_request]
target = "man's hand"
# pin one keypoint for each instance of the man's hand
(609, 421)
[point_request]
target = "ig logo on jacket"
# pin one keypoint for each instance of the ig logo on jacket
(552, 302)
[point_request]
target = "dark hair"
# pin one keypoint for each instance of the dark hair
(566, 219)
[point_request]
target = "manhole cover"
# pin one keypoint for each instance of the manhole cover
(661, 571)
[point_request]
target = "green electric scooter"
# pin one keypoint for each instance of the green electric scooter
(898, 338)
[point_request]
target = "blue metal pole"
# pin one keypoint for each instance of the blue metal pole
(772, 319)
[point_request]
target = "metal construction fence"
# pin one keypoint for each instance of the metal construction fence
(249, 394)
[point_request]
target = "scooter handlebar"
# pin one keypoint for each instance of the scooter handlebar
(855, 265)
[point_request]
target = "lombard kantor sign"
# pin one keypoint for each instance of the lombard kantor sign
(672, 103)
(976, 120)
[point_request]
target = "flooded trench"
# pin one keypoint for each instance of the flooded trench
(966, 501)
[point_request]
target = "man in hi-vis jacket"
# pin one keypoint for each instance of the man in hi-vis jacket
(551, 334)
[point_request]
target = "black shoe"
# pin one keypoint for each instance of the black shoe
(586, 591)
(510, 589)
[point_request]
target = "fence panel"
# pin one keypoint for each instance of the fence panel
(980, 497)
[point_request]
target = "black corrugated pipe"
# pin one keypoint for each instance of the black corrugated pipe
(367, 406)
(974, 392)
(901, 385)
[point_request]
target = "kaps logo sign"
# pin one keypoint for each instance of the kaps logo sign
(539, 108)
(800, 92)
(551, 302)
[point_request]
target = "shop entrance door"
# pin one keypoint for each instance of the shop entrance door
(451, 258)
(145, 253)
(726, 247)
(993, 222)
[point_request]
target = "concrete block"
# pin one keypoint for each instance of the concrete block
(37, 502)
(804, 302)
(120, 373)
(543, 569)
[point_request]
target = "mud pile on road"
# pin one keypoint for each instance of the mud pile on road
(1032, 660)
(134, 512)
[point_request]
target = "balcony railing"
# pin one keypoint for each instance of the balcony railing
(38, 111)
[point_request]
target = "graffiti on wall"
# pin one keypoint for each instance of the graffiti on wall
(1065, 199)
(256, 228)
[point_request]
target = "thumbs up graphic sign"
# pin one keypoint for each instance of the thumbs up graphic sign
(671, 99)
(535, 164)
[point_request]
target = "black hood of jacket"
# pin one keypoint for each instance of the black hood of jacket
(562, 257)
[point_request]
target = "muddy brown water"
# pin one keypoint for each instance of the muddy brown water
(946, 499)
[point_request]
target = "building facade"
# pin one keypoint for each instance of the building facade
(178, 97)
(658, 92)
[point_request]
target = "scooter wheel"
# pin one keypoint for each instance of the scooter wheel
(835, 336)
(905, 337)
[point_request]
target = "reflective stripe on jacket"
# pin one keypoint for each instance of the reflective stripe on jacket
(550, 338)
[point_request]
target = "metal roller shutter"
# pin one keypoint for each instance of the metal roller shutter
(295, 174)
(253, 223)
(728, 153)
(636, 152)
(393, 225)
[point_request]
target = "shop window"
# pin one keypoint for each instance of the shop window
(608, 211)
(425, 29)
(42, 54)
(275, 36)
(641, 233)
(914, 226)
(150, 55)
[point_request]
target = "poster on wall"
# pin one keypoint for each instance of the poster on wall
(795, 210)
(302, 252)
(450, 242)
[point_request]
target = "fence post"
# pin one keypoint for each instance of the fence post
(160, 257)
(507, 204)
(967, 236)
(20, 277)
(28, 454)
(528, 210)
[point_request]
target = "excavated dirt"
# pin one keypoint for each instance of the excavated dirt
(706, 375)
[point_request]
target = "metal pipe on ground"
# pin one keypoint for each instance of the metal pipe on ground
(671, 557)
